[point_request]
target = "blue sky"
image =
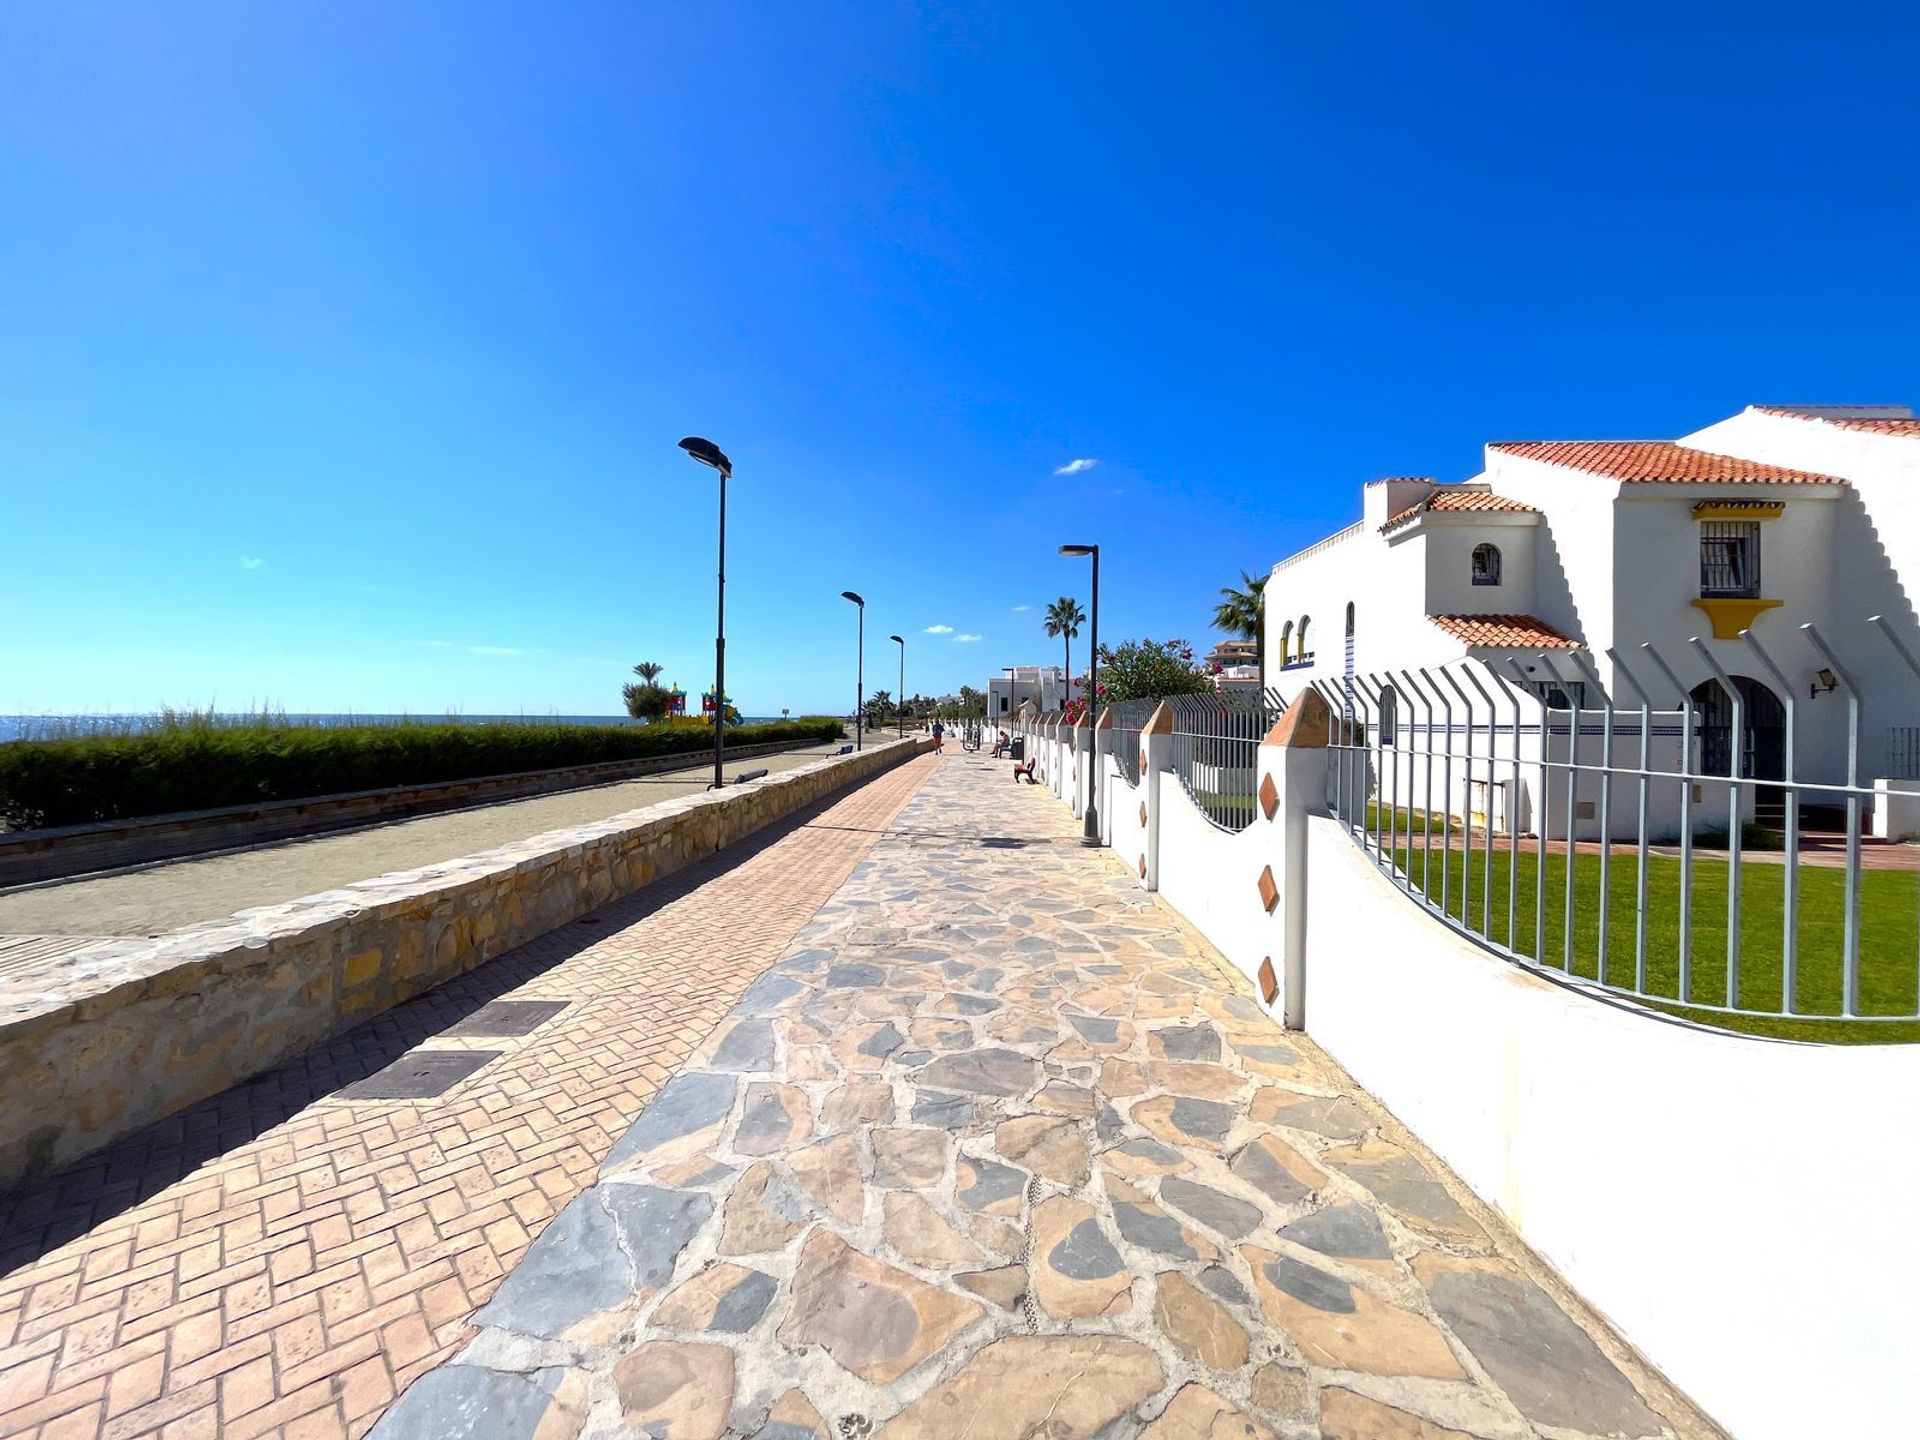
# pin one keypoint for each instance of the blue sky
(344, 346)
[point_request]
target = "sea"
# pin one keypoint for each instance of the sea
(44, 727)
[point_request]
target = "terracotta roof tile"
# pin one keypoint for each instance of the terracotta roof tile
(1907, 425)
(1640, 462)
(1514, 632)
(1453, 498)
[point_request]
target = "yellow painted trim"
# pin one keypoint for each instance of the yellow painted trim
(1730, 617)
(1750, 510)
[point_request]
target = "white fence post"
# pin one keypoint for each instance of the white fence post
(1098, 768)
(1082, 762)
(1293, 785)
(1156, 758)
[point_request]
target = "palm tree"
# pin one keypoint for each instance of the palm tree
(1065, 617)
(646, 701)
(1241, 612)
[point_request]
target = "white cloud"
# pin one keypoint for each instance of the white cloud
(1076, 467)
(965, 639)
(494, 650)
(252, 562)
(938, 630)
(1018, 608)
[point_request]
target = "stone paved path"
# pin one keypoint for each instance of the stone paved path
(999, 1149)
(282, 1260)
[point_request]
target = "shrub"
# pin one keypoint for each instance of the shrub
(76, 780)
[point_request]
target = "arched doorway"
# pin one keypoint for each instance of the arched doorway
(1763, 729)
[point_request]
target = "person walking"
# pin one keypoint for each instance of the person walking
(939, 732)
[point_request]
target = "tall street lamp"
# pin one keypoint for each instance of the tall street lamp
(859, 667)
(708, 453)
(900, 700)
(1090, 834)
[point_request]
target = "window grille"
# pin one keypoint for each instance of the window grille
(1486, 565)
(1730, 558)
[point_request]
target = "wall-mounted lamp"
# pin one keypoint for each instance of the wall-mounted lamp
(1823, 679)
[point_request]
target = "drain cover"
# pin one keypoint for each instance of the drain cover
(1002, 842)
(419, 1076)
(507, 1017)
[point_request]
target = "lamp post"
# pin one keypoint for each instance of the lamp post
(900, 700)
(859, 668)
(708, 453)
(1090, 834)
(1012, 694)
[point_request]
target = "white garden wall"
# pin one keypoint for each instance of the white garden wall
(1737, 1207)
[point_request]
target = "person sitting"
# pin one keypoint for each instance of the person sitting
(1025, 771)
(1002, 745)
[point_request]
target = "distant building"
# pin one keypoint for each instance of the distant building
(1045, 685)
(1235, 667)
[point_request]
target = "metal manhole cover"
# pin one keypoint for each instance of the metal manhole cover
(419, 1076)
(507, 1017)
(1002, 842)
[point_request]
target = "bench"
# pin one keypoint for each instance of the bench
(759, 774)
(844, 750)
(1025, 771)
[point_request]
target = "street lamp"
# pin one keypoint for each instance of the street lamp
(900, 700)
(1090, 834)
(859, 666)
(708, 453)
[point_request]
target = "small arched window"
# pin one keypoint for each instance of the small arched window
(1486, 565)
(1286, 645)
(1349, 619)
(1389, 717)
(1306, 650)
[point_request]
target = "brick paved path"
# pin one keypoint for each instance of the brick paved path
(1001, 1149)
(278, 1260)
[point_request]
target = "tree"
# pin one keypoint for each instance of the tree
(1149, 670)
(1065, 617)
(972, 702)
(648, 700)
(879, 708)
(1244, 613)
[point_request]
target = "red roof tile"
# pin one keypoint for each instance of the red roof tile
(1513, 632)
(1643, 462)
(1449, 497)
(1874, 424)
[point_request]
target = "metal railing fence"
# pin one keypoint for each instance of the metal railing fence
(1597, 844)
(1216, 751)
(1128, 717)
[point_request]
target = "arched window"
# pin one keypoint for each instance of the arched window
(1486, 565)
(1306, 650)
(1286, 644)
(1389, 708)
(1349, 619)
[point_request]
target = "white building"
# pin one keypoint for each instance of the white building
(1045, 685)
(1776, 517)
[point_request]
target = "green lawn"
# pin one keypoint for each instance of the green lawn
(1889, 931)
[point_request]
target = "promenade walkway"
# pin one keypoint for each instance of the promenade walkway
(165, 897)
(284, 1258)
(1000, 1149)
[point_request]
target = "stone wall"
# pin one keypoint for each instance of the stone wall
(129, 1031)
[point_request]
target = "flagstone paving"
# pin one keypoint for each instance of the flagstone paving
(1001, 1149)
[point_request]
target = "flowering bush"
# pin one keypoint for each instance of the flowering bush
(1149, 669)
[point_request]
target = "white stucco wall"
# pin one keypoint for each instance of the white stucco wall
(1738, 1207)
(1212, 876)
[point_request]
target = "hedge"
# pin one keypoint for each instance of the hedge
(115, 777)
